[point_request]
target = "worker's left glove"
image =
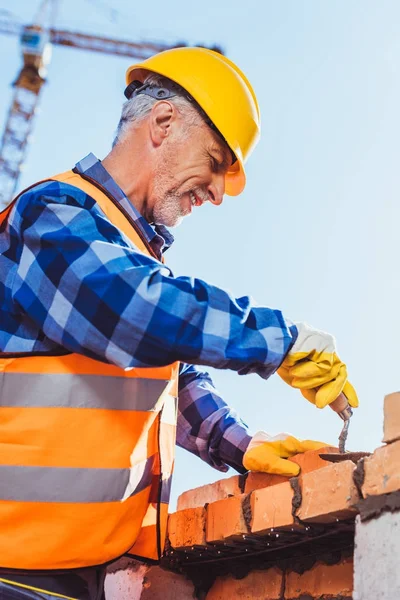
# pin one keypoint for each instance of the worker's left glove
(313, 366)
(267, 453)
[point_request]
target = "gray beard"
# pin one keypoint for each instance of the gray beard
(168, 210)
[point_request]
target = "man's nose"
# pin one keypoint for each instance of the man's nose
(216, 190)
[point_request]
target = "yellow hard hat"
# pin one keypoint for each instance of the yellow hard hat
(221, 90)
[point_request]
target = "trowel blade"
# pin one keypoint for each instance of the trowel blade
(353, 456)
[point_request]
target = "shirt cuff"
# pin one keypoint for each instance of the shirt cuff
(233, 445)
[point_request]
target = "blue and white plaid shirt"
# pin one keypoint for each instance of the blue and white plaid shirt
(69, 279)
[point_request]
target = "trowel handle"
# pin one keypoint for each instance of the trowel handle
(341, 407)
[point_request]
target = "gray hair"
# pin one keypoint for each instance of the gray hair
(139, 106)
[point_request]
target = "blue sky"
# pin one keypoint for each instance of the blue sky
(316, 231)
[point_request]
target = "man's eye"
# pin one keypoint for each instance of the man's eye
(214, 164)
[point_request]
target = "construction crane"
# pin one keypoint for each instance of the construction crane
(36, 42)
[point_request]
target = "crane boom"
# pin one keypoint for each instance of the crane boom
(94, 43)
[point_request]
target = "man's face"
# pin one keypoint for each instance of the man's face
(190, 170)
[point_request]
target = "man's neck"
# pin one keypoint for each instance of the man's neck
(128, 171)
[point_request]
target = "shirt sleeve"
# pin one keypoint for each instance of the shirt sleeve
(207, 426)
(90, 290)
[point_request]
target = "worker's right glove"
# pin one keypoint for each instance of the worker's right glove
(313, 367)
(268, 454)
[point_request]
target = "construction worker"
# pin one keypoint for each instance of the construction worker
(102, 348)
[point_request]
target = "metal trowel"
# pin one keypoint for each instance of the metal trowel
(343, 409)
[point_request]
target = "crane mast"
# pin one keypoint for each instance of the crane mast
(27, 87)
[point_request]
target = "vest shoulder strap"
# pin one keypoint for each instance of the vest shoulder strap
(113, 211)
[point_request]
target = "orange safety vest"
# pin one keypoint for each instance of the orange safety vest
(86, 448)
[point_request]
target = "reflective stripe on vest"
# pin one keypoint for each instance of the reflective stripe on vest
(86, 449)
(95, 391)
(66, 484)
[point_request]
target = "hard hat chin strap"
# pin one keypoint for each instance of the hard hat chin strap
(162, 93)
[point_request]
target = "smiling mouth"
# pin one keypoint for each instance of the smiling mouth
(194, 199)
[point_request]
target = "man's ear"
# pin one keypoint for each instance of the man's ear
(162, 116)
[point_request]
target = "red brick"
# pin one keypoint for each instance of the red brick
(382, 471)
(311, 461)
(333, 581)
(209, 493)
(225, 519)
(308, 461)
(187, 527)
(328, 494)
(391, 427)
(259, 481)
(271, 508)
(258, 585)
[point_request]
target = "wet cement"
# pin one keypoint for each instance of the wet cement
(246, 510)
(297, 498)
(323, 597)
(359, 476)
(353, 456)
(373, 506)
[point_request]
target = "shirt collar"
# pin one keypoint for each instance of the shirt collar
(158, 236)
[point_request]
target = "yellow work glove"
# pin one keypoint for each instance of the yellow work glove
(267, 453)
(313, 367)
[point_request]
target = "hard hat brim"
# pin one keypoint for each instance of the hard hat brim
(235, 179)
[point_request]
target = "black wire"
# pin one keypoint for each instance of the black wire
(16, 592)
(257, 552)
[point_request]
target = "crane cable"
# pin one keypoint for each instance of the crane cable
(55, 6)
(46, 14)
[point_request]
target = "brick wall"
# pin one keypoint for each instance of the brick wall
(270, 538)
(377, 541)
